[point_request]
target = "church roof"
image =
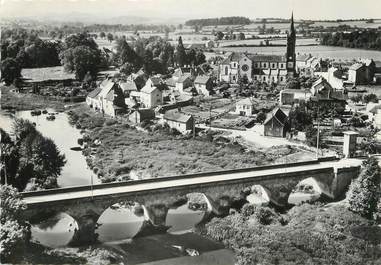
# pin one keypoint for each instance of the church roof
(267, 58)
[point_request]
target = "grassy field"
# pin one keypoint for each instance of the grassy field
(19, 101)
(126, 153)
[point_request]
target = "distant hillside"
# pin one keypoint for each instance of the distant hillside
(218, 21)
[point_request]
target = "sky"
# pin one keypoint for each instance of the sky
(303, 9)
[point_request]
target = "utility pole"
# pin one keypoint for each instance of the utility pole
(318, 131)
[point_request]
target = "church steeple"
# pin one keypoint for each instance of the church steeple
(291, 43)
(292, 28)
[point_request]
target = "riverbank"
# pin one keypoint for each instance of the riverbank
(122, 152)
(13, 101)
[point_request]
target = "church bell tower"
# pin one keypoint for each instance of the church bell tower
(291, 43)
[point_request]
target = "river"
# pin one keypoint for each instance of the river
(119, 224)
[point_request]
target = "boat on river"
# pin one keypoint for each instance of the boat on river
(35, 112)
(76, 148)
(51, 117)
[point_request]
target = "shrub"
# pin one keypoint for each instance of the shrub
(364, 192)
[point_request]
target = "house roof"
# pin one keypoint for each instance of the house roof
(267, 58)
(356, 66)
(106, 86)
(128, 86)
(94, 93)
(110, 95)
(303, 57)
(295, 91)
(246, 101)
(156, 81)
(320, 85)
(148, 89)
(183, 78)
(130, 102)
(145, 113)
(177, 116)
(202, 79)
(279, 114)
(170, 82)
(233, 57)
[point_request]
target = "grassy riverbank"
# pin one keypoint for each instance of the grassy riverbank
(11, 100)
(126, 153)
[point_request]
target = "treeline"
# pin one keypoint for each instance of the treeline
(29, 50)
(218, 21)
(154, 55)
(365, 39)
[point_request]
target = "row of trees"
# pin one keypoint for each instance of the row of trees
(236, 20)
(155, 55)
(31, 161)
(365, 39)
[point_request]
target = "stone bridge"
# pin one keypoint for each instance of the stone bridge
(86, 203)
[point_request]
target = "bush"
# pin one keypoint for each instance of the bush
(364, 192)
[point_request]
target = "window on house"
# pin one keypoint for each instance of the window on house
(264, 78)
(273, 65)
(226, 70)
(281, 78)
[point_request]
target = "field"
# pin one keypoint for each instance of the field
(19, 101)
(335, 53)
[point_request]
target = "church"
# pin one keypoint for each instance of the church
(264, 68)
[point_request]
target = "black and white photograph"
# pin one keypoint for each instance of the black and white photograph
(197, 132)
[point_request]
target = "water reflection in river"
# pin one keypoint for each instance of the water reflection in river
(56, 231)
(182, 219)
(119, 223)
(75, 172)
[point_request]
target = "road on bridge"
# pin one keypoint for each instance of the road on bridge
(159, 184)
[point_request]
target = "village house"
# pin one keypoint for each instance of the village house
(277, 123)
(203, 85)
(108, 98)
(182, 122)
(302, 61)
(141, 115)
(184, 82)
(128, 87)
(324, 95)
(150, 96)
(245, 107)
(294, 96)
(357, 74)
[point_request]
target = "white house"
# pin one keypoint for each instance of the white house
(245, 107)
(203, 85)
(150, 96)
(184, 82)
(182, 122)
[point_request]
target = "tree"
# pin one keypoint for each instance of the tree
(241, 36)
(148, 61)
(14, 231)
(311, 136)
(38, 162)
(125, 54)
(300, 118)
(364, 192)
(80, 39)
(9, 158)
(102, 35)
(81, 60)
(110, 37)
(261, 117)
(191, 57)
(219, 35)
(10, 70)
(126, 69)
(293, 83)
(370, 98)
(200, 58)
(181, 57)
